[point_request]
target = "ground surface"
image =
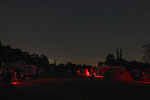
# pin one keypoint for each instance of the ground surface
(73, 89)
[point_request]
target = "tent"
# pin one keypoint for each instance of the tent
(116, 74)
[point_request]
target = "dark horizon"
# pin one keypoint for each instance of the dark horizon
(75, 31)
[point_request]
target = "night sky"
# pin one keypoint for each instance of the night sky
(79, 31)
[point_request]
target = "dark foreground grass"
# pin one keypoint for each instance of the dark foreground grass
(74, 89)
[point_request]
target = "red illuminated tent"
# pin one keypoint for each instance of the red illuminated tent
(116, 74)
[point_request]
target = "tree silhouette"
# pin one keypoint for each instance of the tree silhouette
(146, 56)
(11, 55)
(110, 60)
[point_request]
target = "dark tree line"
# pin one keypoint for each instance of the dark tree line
(13, 55)
(69, 69)
(146, 57)
(136, 68)
(111, 61)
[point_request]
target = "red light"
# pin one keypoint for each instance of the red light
(78, 71)
(134, 70)
(99, 77)
(15, 83)
(87, 72)
(143, 82)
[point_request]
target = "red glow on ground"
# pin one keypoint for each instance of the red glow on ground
(15, 83)
(99, 77)
(143, 82)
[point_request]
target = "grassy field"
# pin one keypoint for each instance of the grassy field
(74, 89)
